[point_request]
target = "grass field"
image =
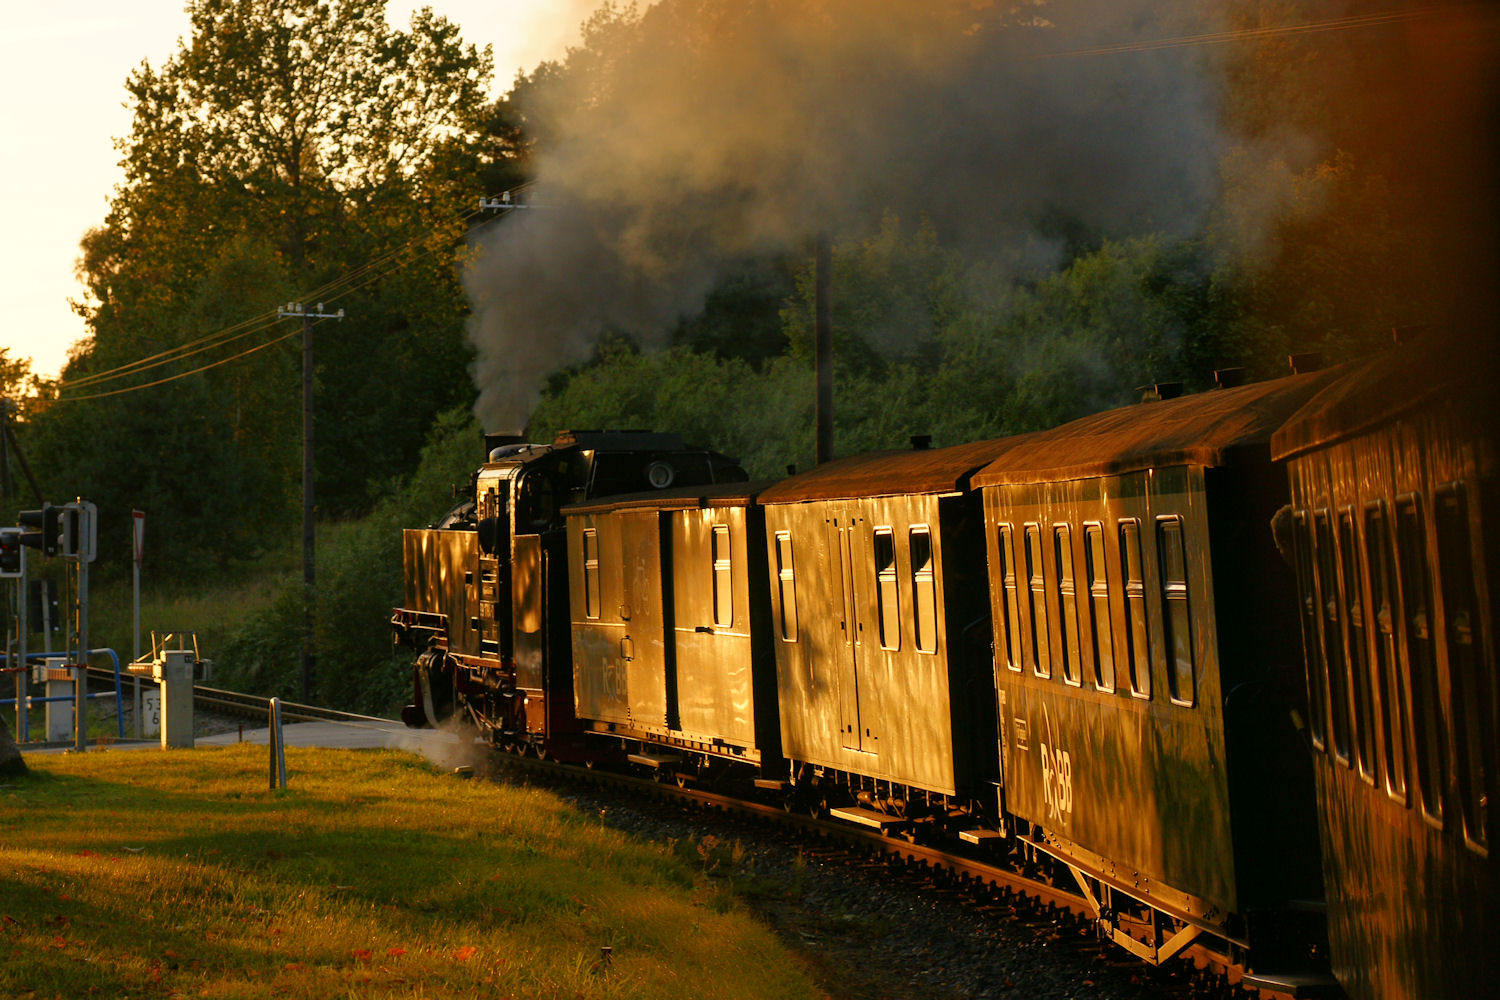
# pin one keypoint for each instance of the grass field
(178, 874)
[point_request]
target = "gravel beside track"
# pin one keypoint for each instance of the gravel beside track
(867, 930)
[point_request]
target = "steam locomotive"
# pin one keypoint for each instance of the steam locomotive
(1084, 647)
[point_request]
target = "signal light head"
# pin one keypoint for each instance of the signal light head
(46, 529)
(12, 554)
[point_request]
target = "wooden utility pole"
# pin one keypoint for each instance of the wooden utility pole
(823, 322)
(307, 315)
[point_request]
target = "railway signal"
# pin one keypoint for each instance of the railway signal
(45, 529)
(12, 554)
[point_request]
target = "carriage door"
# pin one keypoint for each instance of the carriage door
(846, 546)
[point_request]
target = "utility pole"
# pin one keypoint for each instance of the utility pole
(293, 310)
(823, 365)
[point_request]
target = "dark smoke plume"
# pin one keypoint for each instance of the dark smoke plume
(708, 130)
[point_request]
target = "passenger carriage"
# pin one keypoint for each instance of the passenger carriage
(881, 634)
(1393, 488)
(671, 631)
(1146, 670)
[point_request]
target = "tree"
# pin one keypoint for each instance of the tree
(289, 150)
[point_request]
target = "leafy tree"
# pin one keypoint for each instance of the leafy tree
(288, 146)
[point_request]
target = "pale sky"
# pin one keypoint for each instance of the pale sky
(62, 71)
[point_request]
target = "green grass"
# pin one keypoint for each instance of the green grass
(160, 874)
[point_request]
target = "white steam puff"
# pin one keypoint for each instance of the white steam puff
(728, 127)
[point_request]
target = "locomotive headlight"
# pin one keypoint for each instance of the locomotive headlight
(660, 474)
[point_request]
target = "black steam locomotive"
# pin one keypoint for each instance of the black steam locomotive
(1084, 646)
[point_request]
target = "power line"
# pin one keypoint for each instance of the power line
(333, 290)
(174, 378)
(1272, 31)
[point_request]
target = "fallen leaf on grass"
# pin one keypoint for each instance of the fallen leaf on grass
(395, 951)
(465, 953)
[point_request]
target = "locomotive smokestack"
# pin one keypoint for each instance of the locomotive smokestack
(502, 439)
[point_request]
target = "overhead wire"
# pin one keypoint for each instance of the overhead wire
(1269, 31)
(331, 291)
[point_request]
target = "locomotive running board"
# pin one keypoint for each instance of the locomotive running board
(1153, 953)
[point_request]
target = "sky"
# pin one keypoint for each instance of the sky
(63, 69)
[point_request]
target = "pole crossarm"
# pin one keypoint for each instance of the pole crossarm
(296, 310)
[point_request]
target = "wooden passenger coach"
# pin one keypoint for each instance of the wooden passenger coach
(1146, 682)
(1393, 486)
(669, 624)
(880, 629)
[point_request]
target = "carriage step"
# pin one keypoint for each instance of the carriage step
(866, 817)
(655, 759)
(980, 836)
(1296, 984)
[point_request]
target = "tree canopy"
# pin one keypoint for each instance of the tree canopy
(289, 150)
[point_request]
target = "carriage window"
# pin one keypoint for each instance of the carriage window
(924, 589)
(1354, 620)
(1041, 663)
(1176, 615)
(1067, 603)
(1416, 600)
(723, 577)
(886, 595)
(1388, 682)
(787, 584)
(1010, 608)
(590, 573)
(1137, 645)
(1307, 593)
(1333, 643)
(1094, 562)
(1471, 691)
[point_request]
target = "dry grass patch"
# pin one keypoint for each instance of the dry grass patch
(150, 874)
